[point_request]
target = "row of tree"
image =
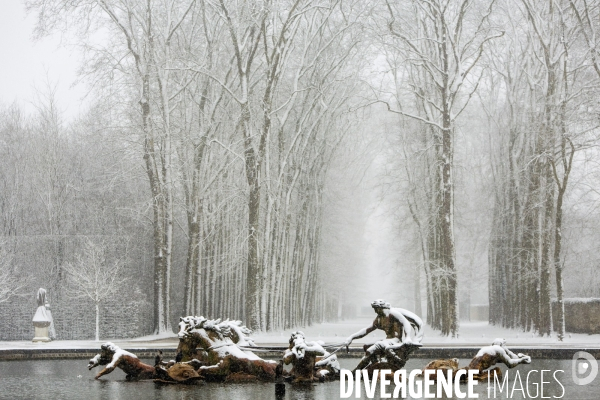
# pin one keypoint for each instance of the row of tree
(433, 50)
(527, 73)
(548, 77)
(239, 113)
(238, 109)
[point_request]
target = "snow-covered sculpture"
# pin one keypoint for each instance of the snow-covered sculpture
(303, 356)
(216, 345)
(42, 320)
(195, 331)
(488, 356)
(404, 332)
(485, 358)
(113, 357)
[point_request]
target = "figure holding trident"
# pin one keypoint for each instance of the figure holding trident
(403, 330)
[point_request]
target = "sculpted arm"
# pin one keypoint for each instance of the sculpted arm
(94, 362)
(97, 360)
(110, 367)
(105, 371)
(362, 333)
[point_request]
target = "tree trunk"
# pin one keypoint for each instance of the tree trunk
(97, 322)
(253, 274)
(559, 326)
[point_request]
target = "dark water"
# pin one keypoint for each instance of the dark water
(70, 379)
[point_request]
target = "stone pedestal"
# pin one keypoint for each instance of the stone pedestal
(41, 334)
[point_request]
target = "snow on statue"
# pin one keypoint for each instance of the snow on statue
(304, 356)
(42, 320)
(485, 358)
(113, 357)
(216, 345)
(496, 353)
(403, 330)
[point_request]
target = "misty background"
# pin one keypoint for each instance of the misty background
(287, 162)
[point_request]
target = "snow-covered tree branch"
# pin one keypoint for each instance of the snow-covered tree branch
(12, 282)
(92, 277)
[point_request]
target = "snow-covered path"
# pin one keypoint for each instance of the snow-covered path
(471, 334)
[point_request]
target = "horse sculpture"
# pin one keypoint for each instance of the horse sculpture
(216, 345)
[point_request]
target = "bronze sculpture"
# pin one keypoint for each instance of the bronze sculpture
(403, 329)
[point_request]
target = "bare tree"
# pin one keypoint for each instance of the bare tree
(540, 73)
(142, 34)
(90, 276)
(441, 43)
(11, 282)
(587, 13)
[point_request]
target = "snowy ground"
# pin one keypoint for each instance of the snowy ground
(471, 334)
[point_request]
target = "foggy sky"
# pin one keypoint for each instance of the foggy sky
(26, 63)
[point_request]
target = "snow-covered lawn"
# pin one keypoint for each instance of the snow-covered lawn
(471, 334)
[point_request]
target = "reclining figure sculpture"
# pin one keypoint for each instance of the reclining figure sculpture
(489, 356)
(485, 358)
(113, 357)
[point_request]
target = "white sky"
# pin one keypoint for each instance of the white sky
(390, 273)
(24, 63)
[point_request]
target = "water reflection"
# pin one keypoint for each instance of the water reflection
(56, 379)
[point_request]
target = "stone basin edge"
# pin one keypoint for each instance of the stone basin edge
(426, 352)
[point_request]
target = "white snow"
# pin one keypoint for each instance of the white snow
(228, 331)
(580, 300)
(475, 334)
(118, 354)
(470, 334)
(232, 349)
(491, 350)
(150, 338)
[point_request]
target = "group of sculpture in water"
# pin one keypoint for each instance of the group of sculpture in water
(215, 350)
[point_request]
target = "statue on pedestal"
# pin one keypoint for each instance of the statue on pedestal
(42, 320)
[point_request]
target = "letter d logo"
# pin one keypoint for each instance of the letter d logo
(582, 363)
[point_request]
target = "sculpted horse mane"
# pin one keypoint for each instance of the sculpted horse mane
(215, 342)
(227, 329)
